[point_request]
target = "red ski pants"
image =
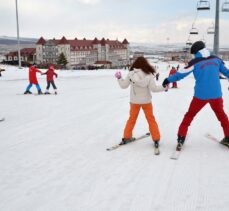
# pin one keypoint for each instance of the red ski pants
(148, 111)
(196, 105)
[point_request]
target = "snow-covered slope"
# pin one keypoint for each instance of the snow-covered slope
(53, 148)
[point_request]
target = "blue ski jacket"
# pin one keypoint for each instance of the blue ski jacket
(206, 69)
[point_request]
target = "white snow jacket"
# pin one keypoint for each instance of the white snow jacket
(141, 86)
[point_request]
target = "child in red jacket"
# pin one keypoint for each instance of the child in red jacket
(172, 72)
(50, 74)
(33, 80)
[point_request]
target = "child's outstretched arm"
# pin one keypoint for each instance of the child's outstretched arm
(123, 83)
(38, 71)
(182, 73)
(154, 88)
(45, 73)
(223, 69)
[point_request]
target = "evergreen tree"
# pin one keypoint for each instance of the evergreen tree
(62, 61)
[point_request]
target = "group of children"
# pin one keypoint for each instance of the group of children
(205, 68)
(50, 73)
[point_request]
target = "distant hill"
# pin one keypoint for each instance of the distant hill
(5, 40)
(151, 48)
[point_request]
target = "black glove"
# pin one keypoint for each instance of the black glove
(165, 82)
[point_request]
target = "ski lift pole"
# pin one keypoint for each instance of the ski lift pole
(216, 35)
(18, 39)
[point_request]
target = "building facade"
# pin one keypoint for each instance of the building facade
(83, 53)
(28, 55)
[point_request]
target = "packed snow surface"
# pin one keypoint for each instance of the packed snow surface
(53, 148)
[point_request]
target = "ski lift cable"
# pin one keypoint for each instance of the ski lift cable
(196, 16)
(197, 12)
(211, 29)
(193, 24)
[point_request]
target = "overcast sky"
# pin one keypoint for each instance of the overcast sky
(154, 21)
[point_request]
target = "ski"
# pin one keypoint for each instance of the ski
(35, 94)
(156, 151)
(213, 138)
(176, 153)
(116, 146)
(2, 119)
(25, 94)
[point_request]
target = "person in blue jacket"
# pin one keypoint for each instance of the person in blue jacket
(206, 69)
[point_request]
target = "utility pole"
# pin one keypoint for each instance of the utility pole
(18, 39)
(216, 35)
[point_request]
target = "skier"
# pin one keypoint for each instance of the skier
(206, 69)
(50, 73)
(172, 72)
(178, 66)
(33, 80)
(141, 81)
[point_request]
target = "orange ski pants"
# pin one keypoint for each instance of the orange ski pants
(148, 111)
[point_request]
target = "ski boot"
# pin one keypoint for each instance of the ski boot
(40, 92)
(225, 141)
(127, 140)
(27, 92)
(156, 144)
(180, 143)
(156, 148)
(47, 93)
(55, 92)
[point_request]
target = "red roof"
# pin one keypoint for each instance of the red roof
(24, 52)
(95, 41)
(125, 41)
(41, 41)
(63, 41)
(85, 44)
(103, 42)
(80, 43)
(28, 50)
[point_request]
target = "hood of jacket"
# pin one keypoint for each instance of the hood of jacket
(137, 75)
(204, 53)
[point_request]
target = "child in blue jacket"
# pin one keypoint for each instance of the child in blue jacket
(206, 69)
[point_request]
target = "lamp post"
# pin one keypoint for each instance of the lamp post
(216, 35)
(18, 39)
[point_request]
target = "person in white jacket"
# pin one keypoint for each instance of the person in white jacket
(141, 79)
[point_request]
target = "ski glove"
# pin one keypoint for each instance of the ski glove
(165, 82)
(118, 75)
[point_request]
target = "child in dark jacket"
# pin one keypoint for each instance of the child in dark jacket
(50, 74)
(206, 69)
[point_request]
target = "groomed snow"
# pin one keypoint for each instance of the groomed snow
(53, 148)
